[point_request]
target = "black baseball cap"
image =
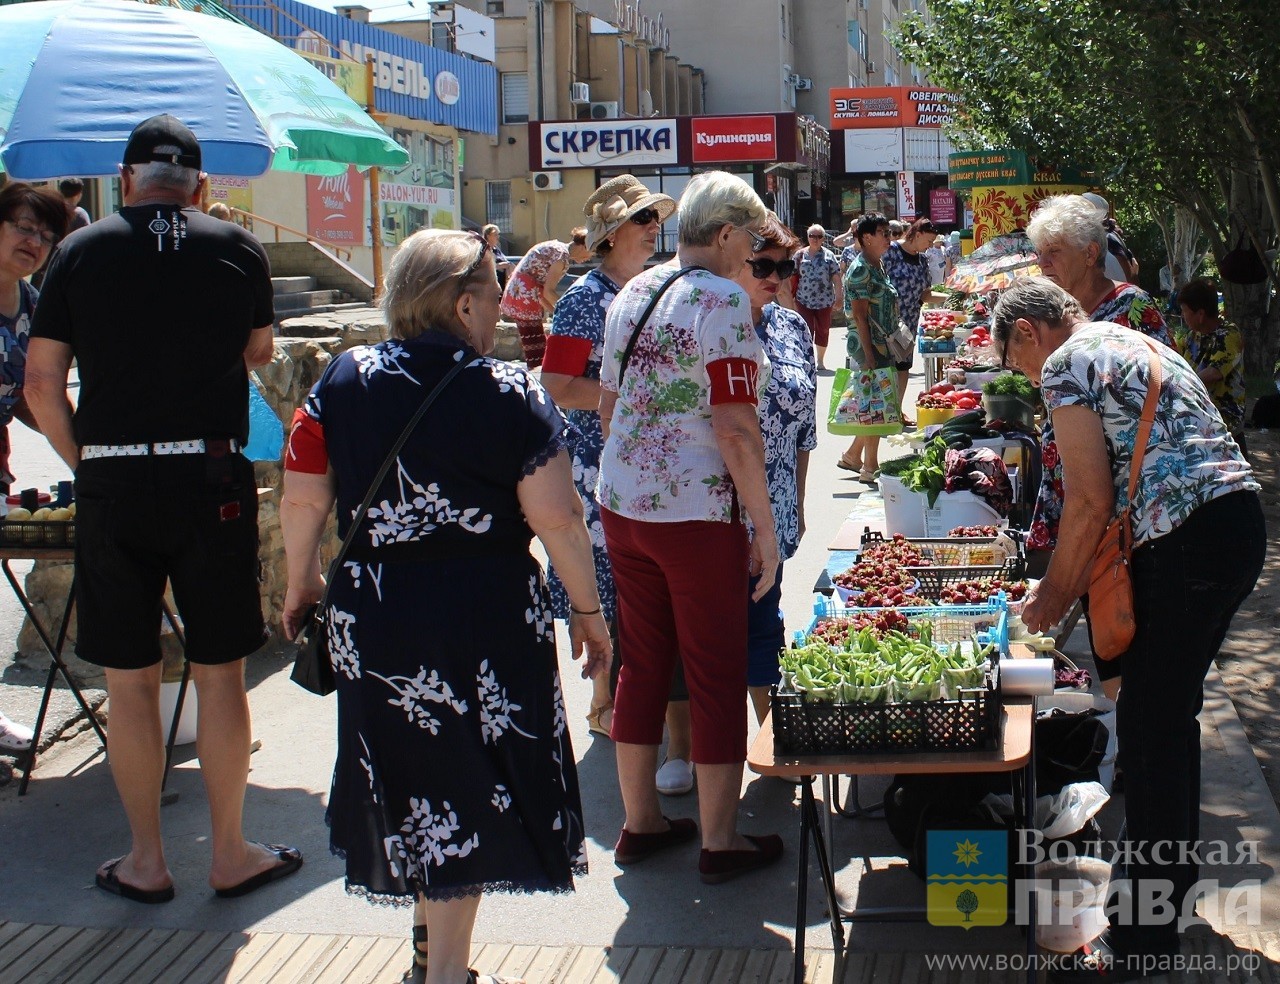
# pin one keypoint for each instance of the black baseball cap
(162, 131)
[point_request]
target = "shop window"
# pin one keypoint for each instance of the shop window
(498, 204)
(515, 97)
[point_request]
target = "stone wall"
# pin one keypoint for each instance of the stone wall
(304, 349)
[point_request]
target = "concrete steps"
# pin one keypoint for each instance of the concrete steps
(295, 296)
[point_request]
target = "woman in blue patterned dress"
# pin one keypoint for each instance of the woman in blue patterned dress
(820, 288)
(908, 271)
(455, 774)
(1199, 541)
(788, 423)
(623, 218)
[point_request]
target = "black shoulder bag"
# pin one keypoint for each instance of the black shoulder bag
(653, 303)
(313, 669)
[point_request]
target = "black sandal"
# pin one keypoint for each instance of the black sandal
(420, 946)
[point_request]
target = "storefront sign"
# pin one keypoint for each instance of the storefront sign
(423, 194)
(985, 168)
(717, 139)
(405, 71)
(604, 143)
(335, 208)
(870, 107)
(448, 88)
(942, 206)
(907, 196)
(232, 192)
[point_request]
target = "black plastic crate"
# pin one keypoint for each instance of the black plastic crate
(941, 574)
(802, 727)
(37, 534)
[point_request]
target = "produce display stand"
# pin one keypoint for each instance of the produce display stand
(1013, 755)
(54, 642)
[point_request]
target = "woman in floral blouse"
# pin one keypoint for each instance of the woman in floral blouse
(455, 774)
(683, 460)
(1215, 350)
(1199, 541)
(530, 294)
(819, 289)
(623, 219)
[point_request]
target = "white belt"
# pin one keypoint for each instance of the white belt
(90, 451)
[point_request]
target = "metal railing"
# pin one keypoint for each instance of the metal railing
(240, 214)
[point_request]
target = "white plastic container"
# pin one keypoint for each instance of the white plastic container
(954, 509)
(169, 703)
(903, 509)
(1076, 892)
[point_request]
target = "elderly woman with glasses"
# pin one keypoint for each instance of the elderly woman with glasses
(1199, 542)
(455, 775)
(683, 460)
(1071, 245)
(623, 220)
(32, 220)
(819, 289)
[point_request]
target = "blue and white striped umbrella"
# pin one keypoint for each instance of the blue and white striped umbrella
(76, 76)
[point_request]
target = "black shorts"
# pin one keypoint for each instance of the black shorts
(184, 519)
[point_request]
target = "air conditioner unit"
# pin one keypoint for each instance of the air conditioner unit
(803, 85)
(871, 68)
(548, 180)
(604, 110)
(579, 93)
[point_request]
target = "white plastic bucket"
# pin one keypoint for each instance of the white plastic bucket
(169, 703)
(1076, 893)
(954, 509)
(903, 509)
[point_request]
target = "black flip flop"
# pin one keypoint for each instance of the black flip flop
(109, 881)
(290, 861)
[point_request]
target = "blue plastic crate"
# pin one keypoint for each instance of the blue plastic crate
(951, 623)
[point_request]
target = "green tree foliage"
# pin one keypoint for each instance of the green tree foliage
(1173, 102)
(967, 903)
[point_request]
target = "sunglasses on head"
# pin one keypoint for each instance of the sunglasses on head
(763, 267)
(645, 216)
(474, 265)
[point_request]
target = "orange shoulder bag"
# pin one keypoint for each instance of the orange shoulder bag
(1111, 620)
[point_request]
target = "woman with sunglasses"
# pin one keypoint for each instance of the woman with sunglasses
(32, 220)
(455, 774)
(530, 293)
(788, 421)
(623, 219)
(871, 307)
(819, 289)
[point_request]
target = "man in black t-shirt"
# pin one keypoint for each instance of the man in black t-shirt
(164, 309)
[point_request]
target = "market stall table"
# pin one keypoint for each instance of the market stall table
(54, 644)
(1014, 754)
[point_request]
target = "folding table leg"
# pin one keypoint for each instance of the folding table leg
(1029, 812)
(852, 809)
(29, 757)
(807, 803)
(802, 877)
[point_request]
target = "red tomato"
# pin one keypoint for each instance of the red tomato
(943, 388)
(967, 403)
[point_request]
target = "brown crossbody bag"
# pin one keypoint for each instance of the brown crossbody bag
(1111, 620)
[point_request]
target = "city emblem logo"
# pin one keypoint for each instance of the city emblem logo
(967, 877)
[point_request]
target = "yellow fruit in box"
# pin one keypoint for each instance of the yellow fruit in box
(60, 515)
(41, 515)
(72, 509)
(18, 514)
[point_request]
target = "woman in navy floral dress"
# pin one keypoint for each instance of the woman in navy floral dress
(455, 775)
(623, 219)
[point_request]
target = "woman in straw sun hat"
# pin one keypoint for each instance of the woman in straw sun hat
(623, 218)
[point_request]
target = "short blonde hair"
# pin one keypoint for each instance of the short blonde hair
(713, 200)
(422, 282)
(1070, 219)
(816, 229)
(488, 229)
(220, 210)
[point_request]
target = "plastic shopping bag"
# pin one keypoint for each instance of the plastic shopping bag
(864, 401)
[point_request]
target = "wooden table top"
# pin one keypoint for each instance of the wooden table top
(37, 553)
(1014, 752)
